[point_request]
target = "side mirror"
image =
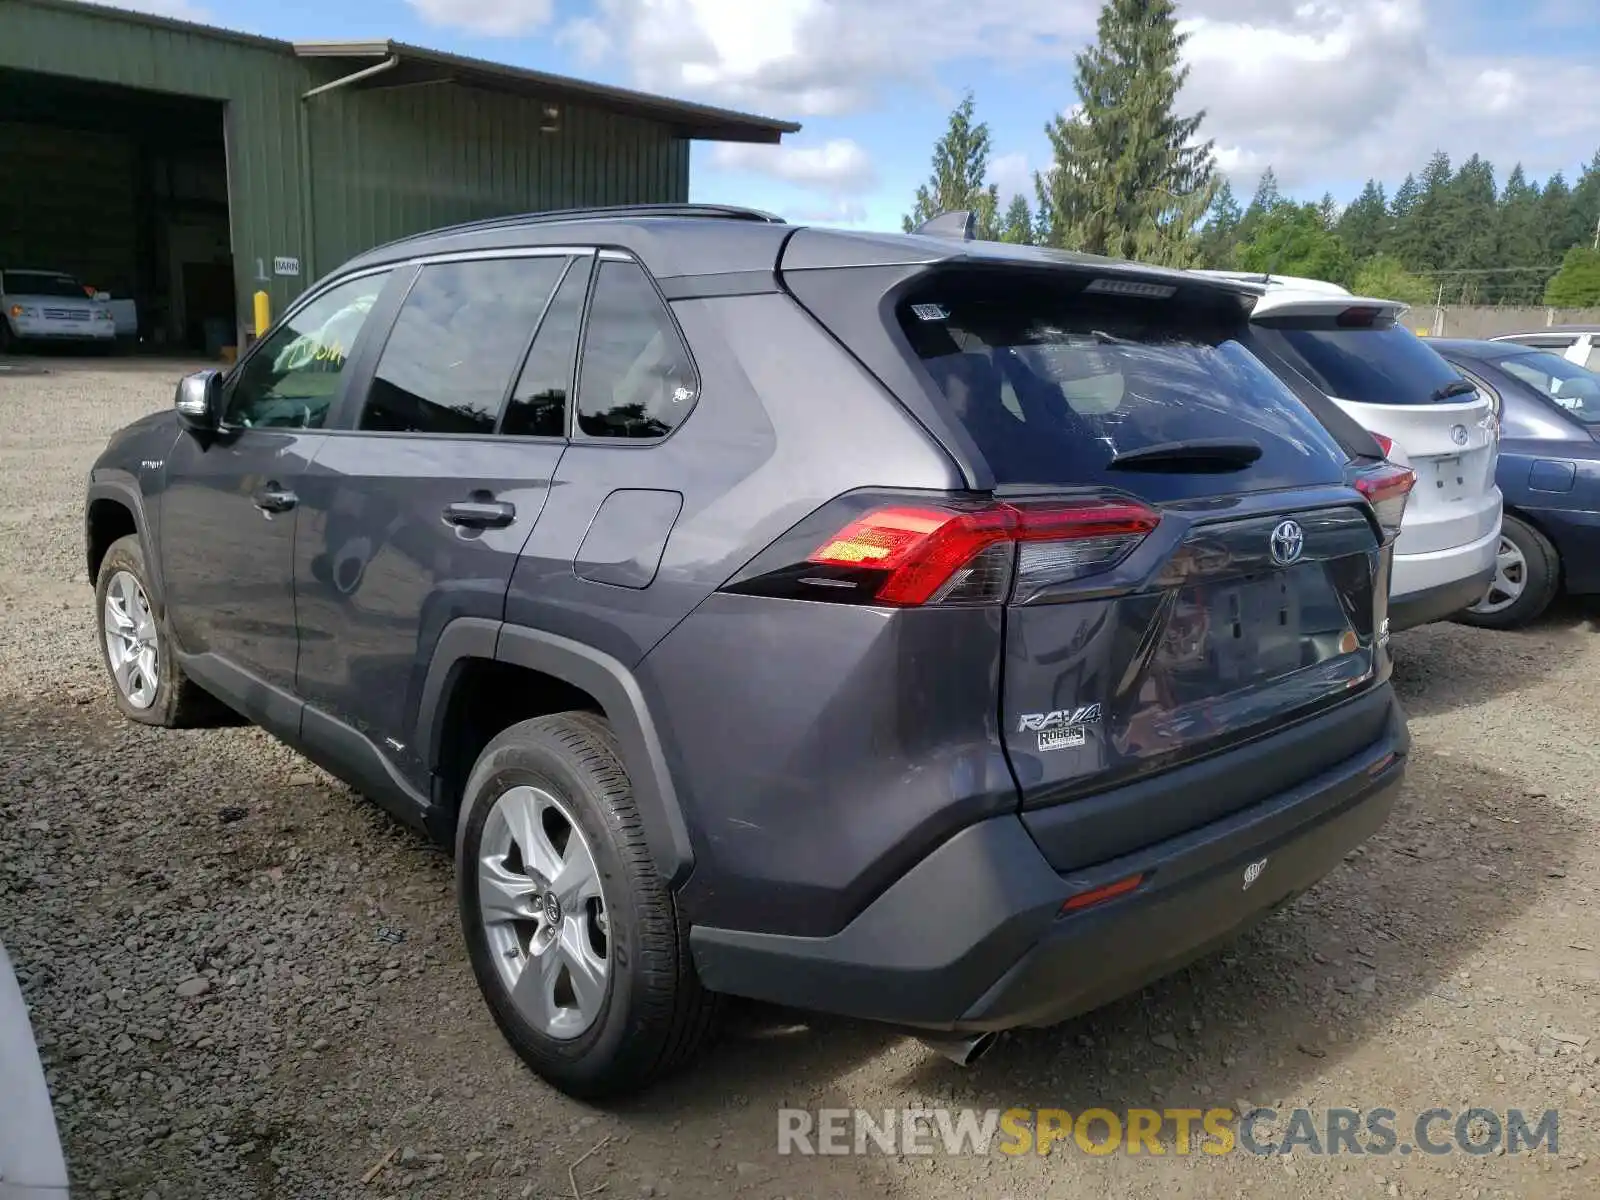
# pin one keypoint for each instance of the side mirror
(199, 400)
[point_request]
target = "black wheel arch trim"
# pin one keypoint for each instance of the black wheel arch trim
(125, 491)
(606, 679)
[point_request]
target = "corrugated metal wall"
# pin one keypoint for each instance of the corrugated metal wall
(385, 163)
(391, 162)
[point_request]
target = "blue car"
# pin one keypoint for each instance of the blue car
(1549, 473)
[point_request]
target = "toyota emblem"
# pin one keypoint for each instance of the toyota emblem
(1288, 542)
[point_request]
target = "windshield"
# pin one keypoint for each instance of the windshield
(1382, 365)
(43, 283)
(1053, 385)
(1574, 388)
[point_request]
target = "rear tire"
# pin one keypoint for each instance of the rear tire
(136, 648)
(613, 1002)
(1526, 561)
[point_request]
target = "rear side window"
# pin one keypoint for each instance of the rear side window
(1380, 365)
(636, 380)
(1053, 384)
(460, 335)
(1557, 381)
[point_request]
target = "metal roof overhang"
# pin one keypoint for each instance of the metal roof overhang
(417, 67)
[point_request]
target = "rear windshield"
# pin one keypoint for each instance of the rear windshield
(1387, 365)
(1052, 384)
(36, 283)
(1573, 388)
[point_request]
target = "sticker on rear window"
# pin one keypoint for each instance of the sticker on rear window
(931, 312)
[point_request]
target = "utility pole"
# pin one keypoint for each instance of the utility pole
(1597, 234)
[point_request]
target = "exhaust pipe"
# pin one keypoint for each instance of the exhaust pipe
(963, 1049)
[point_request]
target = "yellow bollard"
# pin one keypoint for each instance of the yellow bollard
(263, 313)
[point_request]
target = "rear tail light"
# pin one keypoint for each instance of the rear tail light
(1386, 444)
(908, 555)
(1386, 489)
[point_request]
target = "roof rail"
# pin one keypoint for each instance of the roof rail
(726, 212)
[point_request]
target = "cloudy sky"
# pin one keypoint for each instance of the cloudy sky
(1328, 92)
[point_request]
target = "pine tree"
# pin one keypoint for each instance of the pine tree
(1219, 237)
(1405, 198)
(1266, 198)
(1583, 226)
(1329, 210)
(1018, 224)
(960, 164)
(1555, 217)
(1519, 241)
(1366, 224)
(1130, 179)
(1471, 231)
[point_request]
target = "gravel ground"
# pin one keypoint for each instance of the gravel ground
(247, 982)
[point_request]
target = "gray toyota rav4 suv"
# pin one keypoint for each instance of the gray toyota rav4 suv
(943, 633)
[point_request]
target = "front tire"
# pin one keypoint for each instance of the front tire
(134, 645)
(1526, 579)
(573, 935)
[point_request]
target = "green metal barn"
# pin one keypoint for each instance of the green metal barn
(187, 167)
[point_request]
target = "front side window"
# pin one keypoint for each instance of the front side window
(456, 343)
(636, 380)
(292, 378)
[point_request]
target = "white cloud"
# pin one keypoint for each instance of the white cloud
(825, 57)
(1011, 174)
(496, 18)
(839, 167)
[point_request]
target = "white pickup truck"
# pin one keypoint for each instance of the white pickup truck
(51, 306)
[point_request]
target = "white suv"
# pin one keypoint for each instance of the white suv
(51, 306)
(1423, 413)
(1576, 343)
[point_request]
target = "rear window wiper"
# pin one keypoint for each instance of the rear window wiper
(1194, 454)
(1457, 387)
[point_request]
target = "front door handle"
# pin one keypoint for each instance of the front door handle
(480, 514)
(274, 498)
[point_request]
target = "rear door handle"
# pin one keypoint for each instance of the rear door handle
(480, 514)
(274, 498)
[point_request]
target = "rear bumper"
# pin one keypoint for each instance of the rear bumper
(1437, 603)
(971, 939)
(1431, 586)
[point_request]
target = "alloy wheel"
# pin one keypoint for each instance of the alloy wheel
(544, 912)
(132, 641)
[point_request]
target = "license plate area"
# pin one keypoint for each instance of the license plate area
(1226, 635)
(1446, 478)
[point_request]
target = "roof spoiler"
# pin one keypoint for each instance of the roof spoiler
(961, 226)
